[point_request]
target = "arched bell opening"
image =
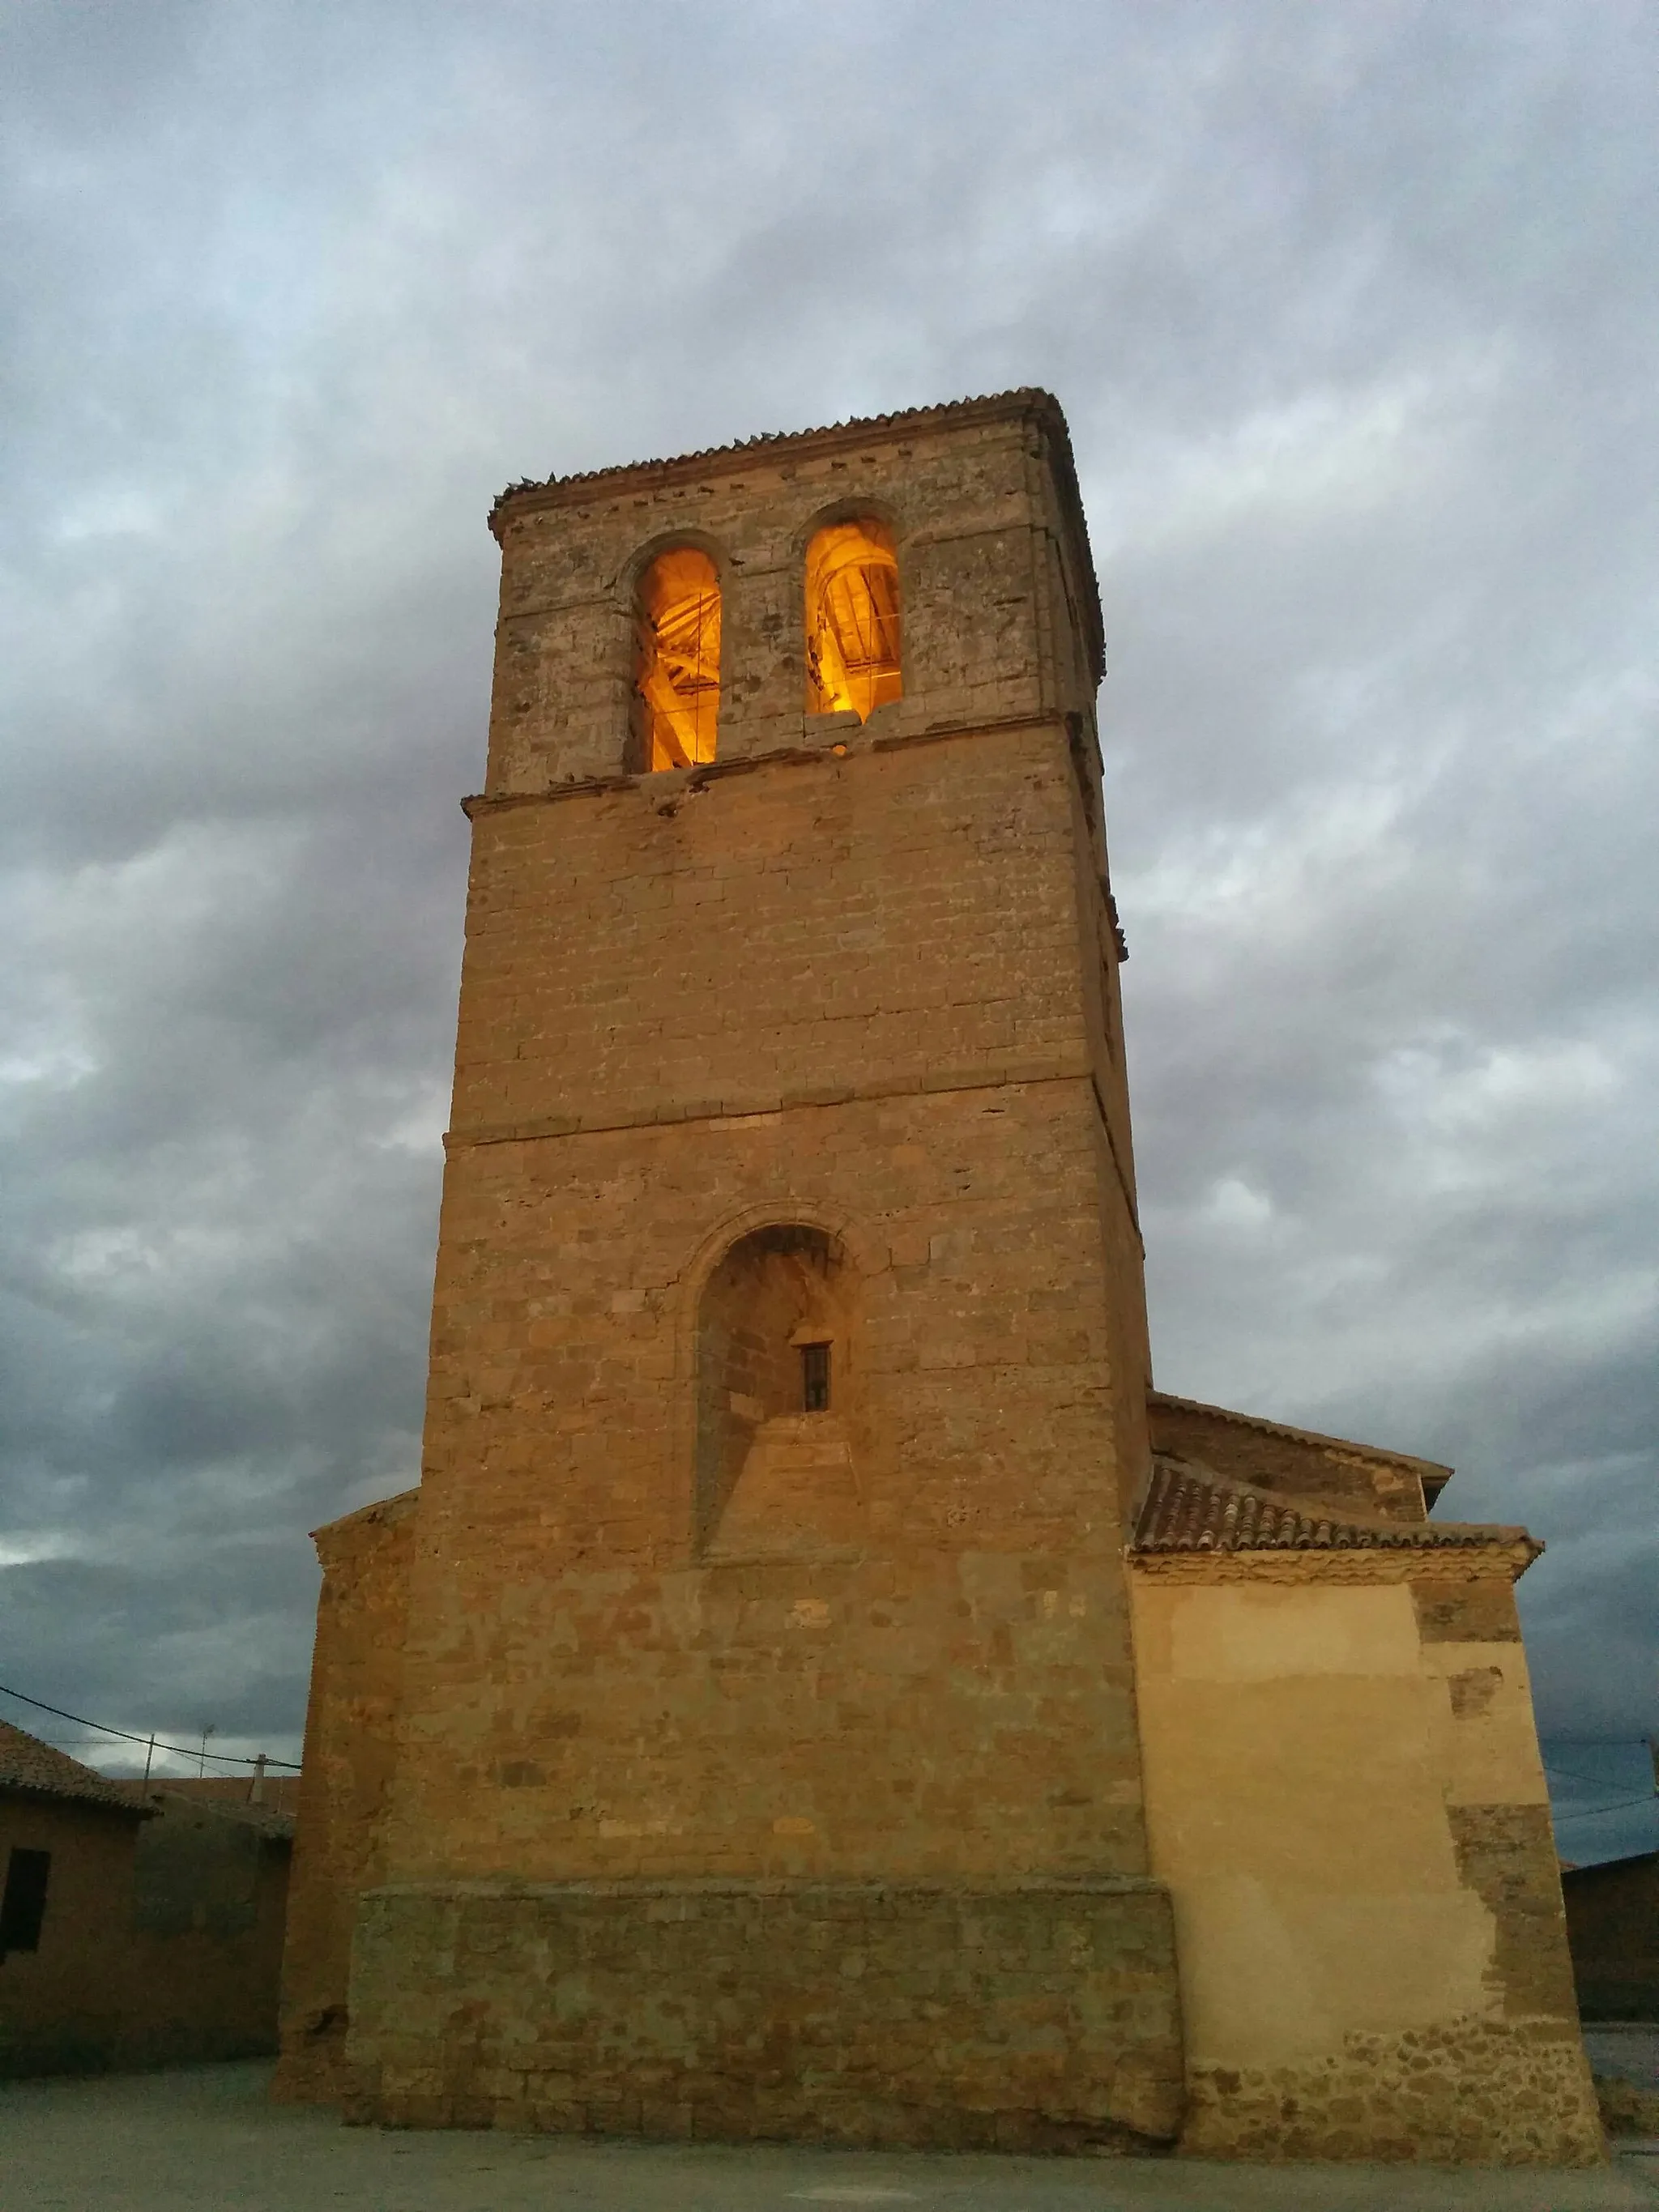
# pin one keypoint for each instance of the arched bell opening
(854, 658)
(776, 1383)
(677, 660)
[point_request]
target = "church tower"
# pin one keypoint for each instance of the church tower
(741, 1731)
(789, 1356)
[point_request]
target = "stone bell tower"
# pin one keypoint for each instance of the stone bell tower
(740, 1731)
(766, 1693)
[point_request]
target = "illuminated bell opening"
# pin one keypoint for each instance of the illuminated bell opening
(852, 619)
(679, 659)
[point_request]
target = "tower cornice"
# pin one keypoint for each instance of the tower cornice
(770, 448)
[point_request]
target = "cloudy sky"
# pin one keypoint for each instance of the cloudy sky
(1353, 311)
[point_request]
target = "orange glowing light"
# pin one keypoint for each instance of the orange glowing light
(679, 659)
(852, 619)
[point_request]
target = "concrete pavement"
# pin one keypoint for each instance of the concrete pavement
(205, 2139)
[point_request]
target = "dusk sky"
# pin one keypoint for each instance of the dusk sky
(1354, 313)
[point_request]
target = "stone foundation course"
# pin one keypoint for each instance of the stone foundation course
(1029, 2015)
(1474, 2092)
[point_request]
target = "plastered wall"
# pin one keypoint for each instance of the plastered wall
(160, 1942)
(62, 2008)
(1344, 1797)
(1613, 1926)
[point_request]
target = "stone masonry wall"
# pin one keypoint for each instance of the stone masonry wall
(349, 1749)
(849, 992)
(850, 979)
(895, 921)
(998, 611)
(1034, 2015)
(585, 1697)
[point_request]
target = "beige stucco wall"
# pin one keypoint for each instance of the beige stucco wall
(1344, 1797)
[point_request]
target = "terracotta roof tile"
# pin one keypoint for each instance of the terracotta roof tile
(265, 1819)
(1435, 1473)
(904, 418)
(38, 1771)
(1189, 1508)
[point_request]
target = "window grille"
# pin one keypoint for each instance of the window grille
(815, 1379)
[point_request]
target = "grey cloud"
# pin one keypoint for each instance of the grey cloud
(1354, 315)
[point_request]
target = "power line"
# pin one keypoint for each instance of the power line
(1589, 1812)
(1595, 1781)
(154, 1743)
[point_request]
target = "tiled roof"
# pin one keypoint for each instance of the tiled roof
(906, 418)
(279, 1793)
(265, 1819)
(28, 1765)
(1434, 1473)
(1188, 1508)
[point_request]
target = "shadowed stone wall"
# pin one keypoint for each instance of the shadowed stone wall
(1033, 2015)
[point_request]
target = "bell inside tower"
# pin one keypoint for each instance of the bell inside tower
(677, 660)
(853, 619)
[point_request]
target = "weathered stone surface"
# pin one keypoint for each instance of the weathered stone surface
(1506, 1856)
(1468, 1611)
(1019, 2015)
(1470, 2089)
(356, 1675)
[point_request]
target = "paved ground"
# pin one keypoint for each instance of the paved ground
(205, 2140)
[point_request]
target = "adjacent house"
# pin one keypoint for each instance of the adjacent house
(138, 1927)
(68, 1840)
(1612, 1929)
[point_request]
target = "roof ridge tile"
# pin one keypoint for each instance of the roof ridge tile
(40, 1770)
(1189, 1507)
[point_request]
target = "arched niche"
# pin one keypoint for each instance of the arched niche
(677, 660)
(855, 656)
(777, 1386)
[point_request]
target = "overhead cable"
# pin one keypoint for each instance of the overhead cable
(151, 1742)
